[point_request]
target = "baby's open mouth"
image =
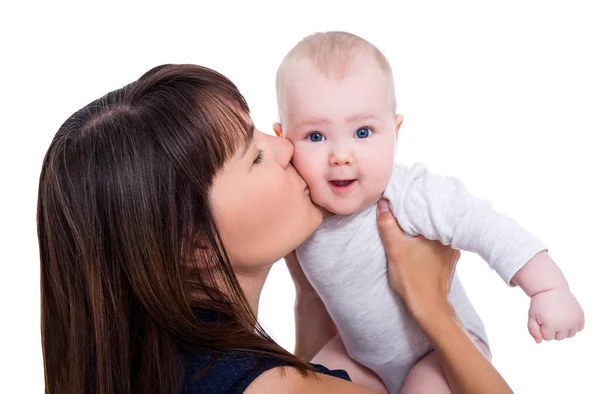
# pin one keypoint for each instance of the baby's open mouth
(342, 183)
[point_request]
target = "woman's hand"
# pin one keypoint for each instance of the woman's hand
(314, 327)
(302, 284)
(420, 270)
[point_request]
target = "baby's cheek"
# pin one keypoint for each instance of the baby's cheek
(319, 197)
(313, 178)
(379, 176)
(307, 168)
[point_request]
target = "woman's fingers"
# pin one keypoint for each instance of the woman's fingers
(388, 225)
(457, 255)
(300, 281)
(455, 258)
(390, 231)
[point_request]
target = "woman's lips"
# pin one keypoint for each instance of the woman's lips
(305, 190)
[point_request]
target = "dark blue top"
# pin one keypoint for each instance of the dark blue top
(232, 373)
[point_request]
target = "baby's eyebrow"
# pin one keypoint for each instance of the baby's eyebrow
(361, 116)
(311, 122)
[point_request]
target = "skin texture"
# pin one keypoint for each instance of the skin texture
(342, 129)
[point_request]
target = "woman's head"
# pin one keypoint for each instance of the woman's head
(133, 198)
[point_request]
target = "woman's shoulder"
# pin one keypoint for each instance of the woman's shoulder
(235, 373)
(290, 381)
(224, 372)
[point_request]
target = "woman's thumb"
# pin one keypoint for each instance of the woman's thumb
(388, 226)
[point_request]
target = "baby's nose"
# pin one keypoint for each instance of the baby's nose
(340, 159)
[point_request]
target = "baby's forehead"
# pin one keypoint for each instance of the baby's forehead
(307, 68)
(360, 90)
(322, 57)
(299, 72)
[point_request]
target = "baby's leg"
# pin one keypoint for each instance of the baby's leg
(427, 375)
(334, 356)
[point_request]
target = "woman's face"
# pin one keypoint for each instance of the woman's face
(261, 205)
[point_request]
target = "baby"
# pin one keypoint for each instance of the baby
(337, 106)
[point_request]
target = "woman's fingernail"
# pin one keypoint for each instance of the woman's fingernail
(383, 205)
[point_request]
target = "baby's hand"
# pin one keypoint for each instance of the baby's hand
(555, 314)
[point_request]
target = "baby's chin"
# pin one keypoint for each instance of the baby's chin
(343, 208)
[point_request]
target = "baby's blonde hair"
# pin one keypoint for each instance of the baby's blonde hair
(332, 53)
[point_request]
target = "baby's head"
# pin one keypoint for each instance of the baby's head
(337, 105)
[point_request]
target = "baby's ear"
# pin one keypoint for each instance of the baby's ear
(277, 129)
(399, 120)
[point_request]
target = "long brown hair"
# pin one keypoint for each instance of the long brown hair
(123, 206)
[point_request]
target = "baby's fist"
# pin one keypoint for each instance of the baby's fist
(555, 314)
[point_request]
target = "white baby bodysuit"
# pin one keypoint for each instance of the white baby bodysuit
(345, 262)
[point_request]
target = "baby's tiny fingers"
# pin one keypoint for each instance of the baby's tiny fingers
(572, 333)
(534, 329)
(548, 333)
(582, 325)
(560, 335)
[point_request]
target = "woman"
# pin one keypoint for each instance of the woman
(161, 210)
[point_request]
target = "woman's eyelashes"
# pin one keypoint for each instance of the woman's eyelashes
(259, 157)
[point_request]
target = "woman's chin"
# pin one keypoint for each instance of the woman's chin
(315, 218)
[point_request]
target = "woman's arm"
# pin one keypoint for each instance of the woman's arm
(421, 271)
(466, 368)
(314, 327)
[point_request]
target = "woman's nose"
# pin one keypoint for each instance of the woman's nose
(284, 150)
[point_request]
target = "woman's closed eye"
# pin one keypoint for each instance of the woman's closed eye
(259, 157)
(363, 132)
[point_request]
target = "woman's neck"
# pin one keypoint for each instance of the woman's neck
(252, 283)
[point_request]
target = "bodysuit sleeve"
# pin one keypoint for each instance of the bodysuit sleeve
(440, 208)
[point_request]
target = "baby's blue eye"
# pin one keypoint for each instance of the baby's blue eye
(363, 132)
(316, 137)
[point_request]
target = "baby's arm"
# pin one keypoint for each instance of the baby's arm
(554, 312)
(441, 208)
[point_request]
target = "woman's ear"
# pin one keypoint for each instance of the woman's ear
(277, 129)
(399, 120)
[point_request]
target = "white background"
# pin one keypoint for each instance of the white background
(505, 95)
